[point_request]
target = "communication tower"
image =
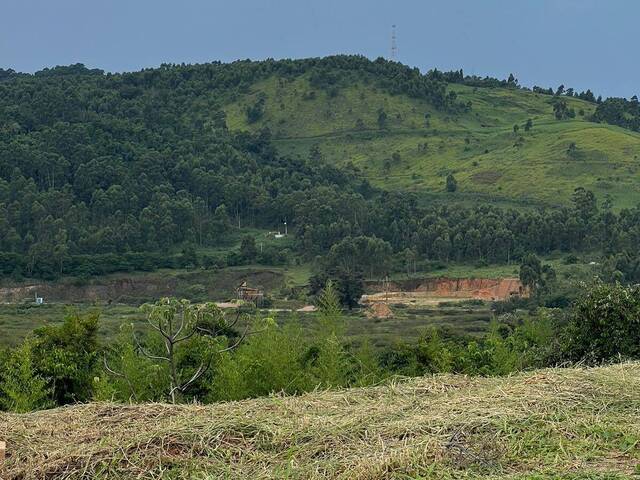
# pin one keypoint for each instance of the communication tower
(394, 44)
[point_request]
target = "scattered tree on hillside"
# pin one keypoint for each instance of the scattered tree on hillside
(248, 249)
(562, 111)
(256, 110)
(349, 285)
(410, 260)
(588, 96)
(371, 254)
(315, 154)
(585, 204)
(382, 118)
(619, 111)
(534, 275)
(221, 222)
(451, 183)
(529, 125)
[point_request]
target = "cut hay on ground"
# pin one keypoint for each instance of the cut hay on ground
(558, 423)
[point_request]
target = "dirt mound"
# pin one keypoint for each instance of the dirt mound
(307, 309)
(379, 310)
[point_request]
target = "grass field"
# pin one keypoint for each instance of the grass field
(490, 162)
(544, 425)
(407, 324)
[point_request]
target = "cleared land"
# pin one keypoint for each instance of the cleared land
(548, 424)
(116, 298)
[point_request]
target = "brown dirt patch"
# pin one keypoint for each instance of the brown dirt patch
(430, 291)
(379, 310)
(486, 178)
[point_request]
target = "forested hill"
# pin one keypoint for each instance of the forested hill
(492, 135)
(113, 171)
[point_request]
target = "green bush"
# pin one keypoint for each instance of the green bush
(67, 356)
(22, 388)
(604, 324)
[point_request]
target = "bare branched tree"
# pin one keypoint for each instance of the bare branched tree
(177, 321)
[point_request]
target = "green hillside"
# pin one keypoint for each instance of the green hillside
(479, 147)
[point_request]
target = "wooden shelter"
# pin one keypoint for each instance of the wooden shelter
(249, 294)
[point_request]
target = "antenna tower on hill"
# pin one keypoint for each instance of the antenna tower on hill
(394, 44)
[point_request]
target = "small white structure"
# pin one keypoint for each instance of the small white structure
(39, 300)
(279, 235)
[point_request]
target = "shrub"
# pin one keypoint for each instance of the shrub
(605, 324)
(22, 389)
(66, 355)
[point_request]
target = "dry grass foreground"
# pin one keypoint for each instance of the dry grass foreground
(555, 423)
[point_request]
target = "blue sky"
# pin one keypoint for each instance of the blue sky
(581, 43)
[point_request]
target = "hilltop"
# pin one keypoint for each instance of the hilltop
(397, 127)
(555, 423)
(490, 161)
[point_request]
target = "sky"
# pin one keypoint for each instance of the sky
(579, 43)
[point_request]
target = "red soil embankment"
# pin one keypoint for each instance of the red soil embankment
(462, 288)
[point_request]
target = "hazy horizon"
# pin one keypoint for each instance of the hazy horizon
(583, 45)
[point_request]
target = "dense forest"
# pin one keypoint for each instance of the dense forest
(102, 172)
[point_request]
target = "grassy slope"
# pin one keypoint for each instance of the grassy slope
(548, 424)
(540, 170)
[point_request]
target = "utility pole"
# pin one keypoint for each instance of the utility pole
(386, 288)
